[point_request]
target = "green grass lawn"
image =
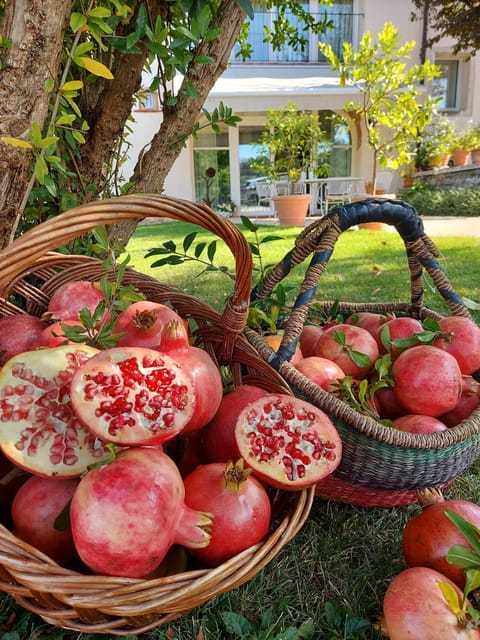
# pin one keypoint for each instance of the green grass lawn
(328, 583)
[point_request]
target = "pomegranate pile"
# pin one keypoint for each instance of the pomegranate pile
(127, 457)
(410, 376)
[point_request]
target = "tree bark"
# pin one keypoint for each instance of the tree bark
(152, 169)
(36, 29)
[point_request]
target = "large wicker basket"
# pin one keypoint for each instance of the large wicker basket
(380, 466)
(29, 273)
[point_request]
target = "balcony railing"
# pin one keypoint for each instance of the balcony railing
(347, 27)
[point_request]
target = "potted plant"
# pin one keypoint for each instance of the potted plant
(434, 144)
(290, 145)
(459, 151)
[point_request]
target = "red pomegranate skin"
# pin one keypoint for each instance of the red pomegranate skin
(427, 380)
(414, 608)
(18, 333)
(428, 536)
(35, 507)
(461, 337)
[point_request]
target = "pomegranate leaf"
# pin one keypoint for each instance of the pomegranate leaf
(360, 359)
(451, 597)
(469, 530)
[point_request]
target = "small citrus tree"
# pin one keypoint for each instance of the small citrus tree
(391, 106)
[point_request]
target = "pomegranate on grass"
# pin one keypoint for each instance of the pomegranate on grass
(127, 514)
(218, 436)
(17, 334)
(239, 504)
(427, 380)
(288, 442)
(423, 604)
(133, 396)
(36, 506)
(39, 430)
(428, 536)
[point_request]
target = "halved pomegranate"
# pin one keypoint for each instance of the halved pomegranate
(39, 431)
(133, 396)
(288, 442)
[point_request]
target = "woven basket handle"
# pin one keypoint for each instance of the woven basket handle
(53, 233)
(319, 240)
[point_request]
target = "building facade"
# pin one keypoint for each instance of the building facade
(271, 79)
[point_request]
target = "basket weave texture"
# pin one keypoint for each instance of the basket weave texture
(30, 271)
(380, 466)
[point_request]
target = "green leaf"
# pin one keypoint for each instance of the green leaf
(469, 530)
(95, 67)
(188, 240)
(463, 557)
(73, 85)
(247, 7)
(79, 137)
(40, 169)
(237, 624)
(99, 12)
(339, 337)
(360, 359)
(199, 249)
(77, 21)
(251, 226)
(211, 250)
(470, 304)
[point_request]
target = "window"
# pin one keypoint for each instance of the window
(148, 101)
(212, 167)
(446, 87)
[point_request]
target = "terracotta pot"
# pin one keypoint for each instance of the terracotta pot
(460, 157)
(475, 156)
(292, 210)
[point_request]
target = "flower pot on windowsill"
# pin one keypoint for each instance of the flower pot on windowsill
(292, 210)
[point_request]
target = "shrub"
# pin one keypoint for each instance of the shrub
(432, 201)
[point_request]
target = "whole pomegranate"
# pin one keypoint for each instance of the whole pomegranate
(416, 608)
(18, 333)
(320, 370)
(218, 436)
(427, 380)
(417, 423)
(207, 384)
(428, 536)
(126, 514)
(468, 402)
(288, 442)
(367, 320)
(402, 328)
(133, 396)
(308, 339)
(239, 504)
(39, 430)
(461, 338)
(36, 506)
(141, 324)
(72, 297)
(352, 348)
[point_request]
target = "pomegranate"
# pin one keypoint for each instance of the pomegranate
(207, 383)
(367, 320)
(17, 334)
(417, 423)
(239, 504)
(35, 508)
(460, 337)
(71, 298)
(468, 402)
(288, 442)
(141, 323)
(132, 396)
(53, 335)
(428, 536)
(308, 339)
(274, 341)
(352, 348)
(125, 515)
(39, 431)
(174, 335)
(417, 606)
(400, 329)
(321, 371)
(427, 380)
(218, 437)
(388, 405)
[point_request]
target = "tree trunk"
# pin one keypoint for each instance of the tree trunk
(150, 173)
(35, 28)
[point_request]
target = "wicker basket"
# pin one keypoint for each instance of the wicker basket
(29, 273)
(380, 466)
